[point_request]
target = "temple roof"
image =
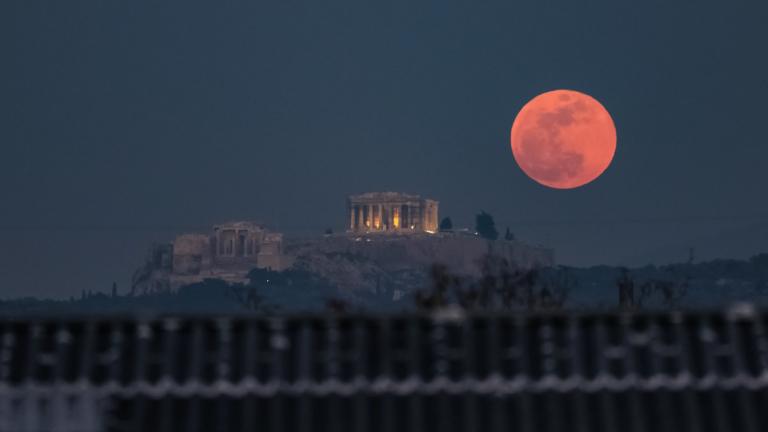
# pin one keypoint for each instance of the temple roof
(385, 196)
(253, 225)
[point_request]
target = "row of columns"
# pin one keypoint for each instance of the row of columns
(394, 215)
(248, 246)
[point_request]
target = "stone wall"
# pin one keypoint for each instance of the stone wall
(461, 253)
(191, 254)
(379, 263)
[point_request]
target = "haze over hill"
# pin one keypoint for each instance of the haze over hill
(105, 255)
(126, 123)
(708, 285)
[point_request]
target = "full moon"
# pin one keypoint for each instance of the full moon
(563, 139)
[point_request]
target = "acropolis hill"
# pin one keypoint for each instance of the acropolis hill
(390, 242)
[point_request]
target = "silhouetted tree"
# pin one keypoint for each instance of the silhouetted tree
(328, 231)
(446, 224)
(438, 295)
(508, 236)
(626, 286)
(337, 306)
(249, 298)
(485, 226)
(668, 292)
(501, 286)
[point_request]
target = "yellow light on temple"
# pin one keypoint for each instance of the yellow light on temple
(396, 220)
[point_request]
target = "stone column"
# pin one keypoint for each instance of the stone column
(370, 216)
(419, 218)
(410, 215)
(351, 217)
(432, 219)
(359, 216)
(406, 219)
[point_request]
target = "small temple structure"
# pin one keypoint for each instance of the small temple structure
(391, 212)
(243, 242)
(226, 252)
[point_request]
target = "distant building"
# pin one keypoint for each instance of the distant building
(228, 252)
(232, 243)
(391, 212)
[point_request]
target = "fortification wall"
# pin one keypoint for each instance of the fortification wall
(462, 254)
(191, 254)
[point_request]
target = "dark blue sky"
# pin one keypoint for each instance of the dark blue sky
(124, 122)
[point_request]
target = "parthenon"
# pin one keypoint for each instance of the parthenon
(391, 212)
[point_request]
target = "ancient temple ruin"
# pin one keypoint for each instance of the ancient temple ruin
(228, 252)
(247, 243)
(391, 212)
(390, 239)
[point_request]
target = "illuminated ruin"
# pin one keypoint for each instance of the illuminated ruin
(391, 212)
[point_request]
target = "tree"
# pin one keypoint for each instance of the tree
(485, 226)
(626, 286)
(508, 236)
(501, 286)
(446, 224)
(635, 295)
(249, 298)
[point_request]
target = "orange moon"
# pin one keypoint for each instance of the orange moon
(563, 139)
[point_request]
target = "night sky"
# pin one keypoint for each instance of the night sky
(125, 122)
